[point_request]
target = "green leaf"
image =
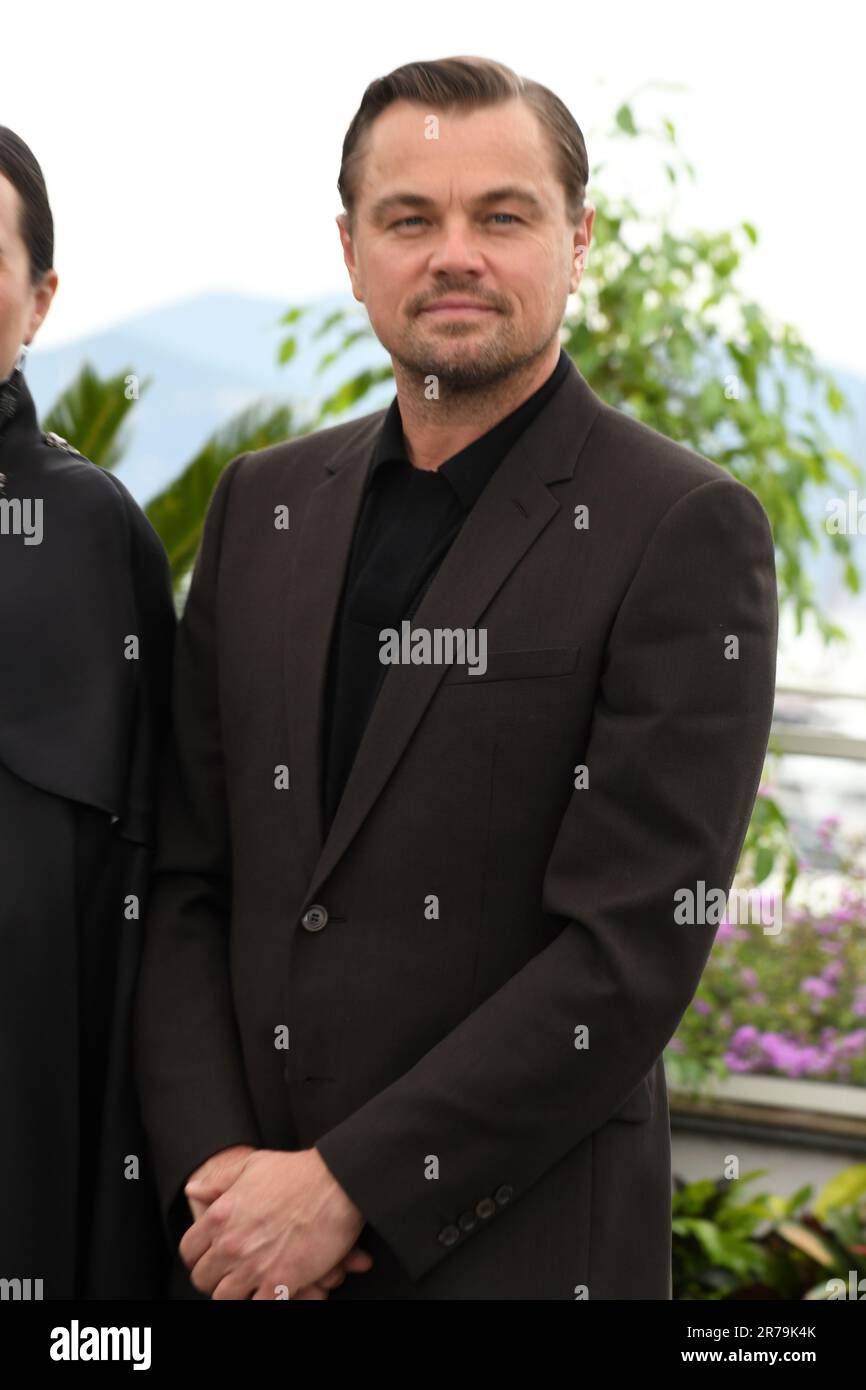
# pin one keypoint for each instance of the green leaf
(625, 120)
(809, 1242)
(177, 513)
(764, 861)
(842, 1189)
(92, 412)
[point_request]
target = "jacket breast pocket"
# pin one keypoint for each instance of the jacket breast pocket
(525, 663)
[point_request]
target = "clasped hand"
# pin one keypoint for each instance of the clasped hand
(269, 1225)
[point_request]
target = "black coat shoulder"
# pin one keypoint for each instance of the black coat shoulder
(86, 607)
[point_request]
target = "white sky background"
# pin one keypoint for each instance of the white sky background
(191, 147)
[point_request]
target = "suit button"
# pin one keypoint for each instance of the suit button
(467, 1220)
(503, 1195)
(448, 1235)
(314, 918)
(485, 1208)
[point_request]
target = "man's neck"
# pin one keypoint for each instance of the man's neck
(436, 430)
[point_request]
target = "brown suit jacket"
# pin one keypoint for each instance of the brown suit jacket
(480, 966)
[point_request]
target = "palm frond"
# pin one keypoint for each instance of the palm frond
(177, 513)
(91, 413)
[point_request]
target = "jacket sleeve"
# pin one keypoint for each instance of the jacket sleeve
(674, 758)
(188, 1059)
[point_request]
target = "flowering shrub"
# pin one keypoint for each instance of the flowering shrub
(793, 1002)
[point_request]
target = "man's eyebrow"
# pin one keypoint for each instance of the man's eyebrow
(508, 193)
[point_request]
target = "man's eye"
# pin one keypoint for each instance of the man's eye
(416, 218)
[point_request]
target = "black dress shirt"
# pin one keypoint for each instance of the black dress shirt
(409, 519)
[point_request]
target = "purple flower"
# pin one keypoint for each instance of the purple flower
(781, 1052)
(818, 989)
(738, 1063)
(826, 928)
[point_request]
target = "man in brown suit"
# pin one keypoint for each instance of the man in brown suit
(471, 701)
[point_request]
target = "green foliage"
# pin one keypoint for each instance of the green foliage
(768, 845)
(715, 1249)
(665, 333)
(177, 514)
(692, 1069)
(91, 413)
(726, 1246)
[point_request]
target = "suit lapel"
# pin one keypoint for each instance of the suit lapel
(314, 594)
(512, 511)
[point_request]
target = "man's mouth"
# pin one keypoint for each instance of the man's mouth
(458, 308)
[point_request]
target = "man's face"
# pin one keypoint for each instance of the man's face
(427, 230)
(22, 306)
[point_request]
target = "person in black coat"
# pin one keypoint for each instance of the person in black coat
(86, 634)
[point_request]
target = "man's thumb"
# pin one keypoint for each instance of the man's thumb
(215, 1183)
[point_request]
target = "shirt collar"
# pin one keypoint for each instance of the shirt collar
(470, 470)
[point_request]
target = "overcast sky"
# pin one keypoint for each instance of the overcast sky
(194, 147)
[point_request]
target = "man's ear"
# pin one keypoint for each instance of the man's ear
(580, 250)
(349, 255)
